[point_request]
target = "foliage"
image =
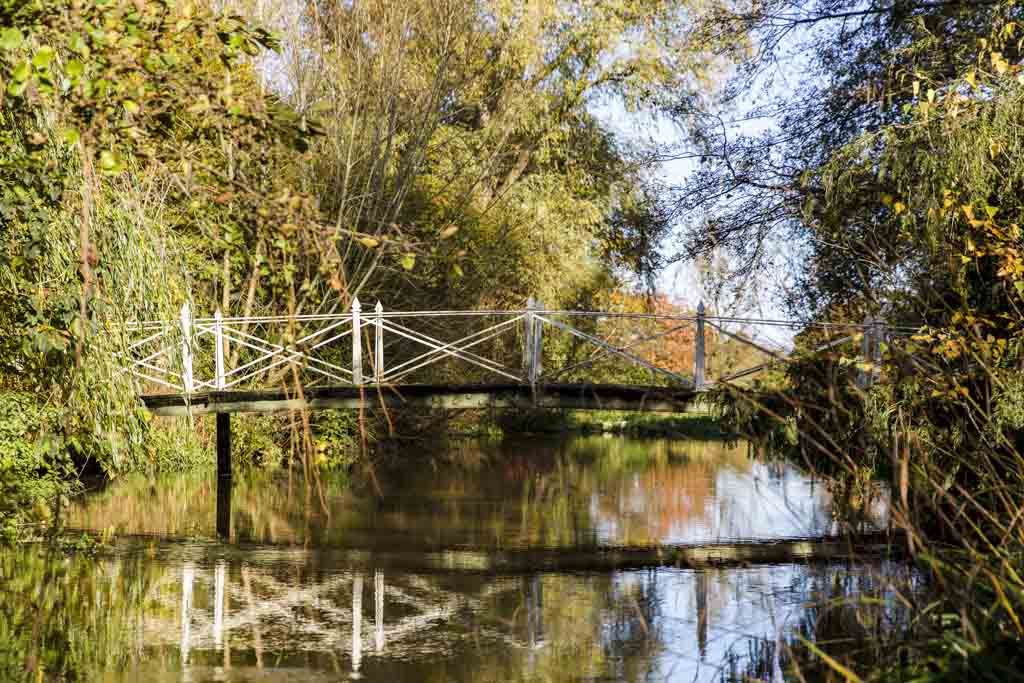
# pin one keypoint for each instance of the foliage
(908, 197)
(108, 110)
(31, 473)
(337, 437)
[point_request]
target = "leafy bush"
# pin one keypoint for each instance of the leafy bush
(32, 470)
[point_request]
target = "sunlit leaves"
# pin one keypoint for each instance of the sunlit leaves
(43, 56)
(11, 38)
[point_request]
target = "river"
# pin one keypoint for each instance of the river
(404, 574)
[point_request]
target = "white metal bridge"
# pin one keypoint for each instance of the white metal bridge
(453, 359)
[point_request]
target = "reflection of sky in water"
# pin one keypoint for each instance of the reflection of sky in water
(767, 501)
(738, 605)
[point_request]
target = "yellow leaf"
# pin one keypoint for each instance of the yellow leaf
(1001, 66)
(970, 77)
(917, 88)
(449, 231)
(968, 211)
(899, 207)
(368, 242)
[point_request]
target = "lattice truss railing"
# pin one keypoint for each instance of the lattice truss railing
(381, 347)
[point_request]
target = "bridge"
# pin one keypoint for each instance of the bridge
(354, 359)
(449, 360)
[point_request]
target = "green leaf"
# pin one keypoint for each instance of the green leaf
(16, 88)
(74, 68)
(408, 261)
(21, 72)
(130, 106)
(70, 136)
(77, 43)
(110, 162)
(11, 39)
(44, 55)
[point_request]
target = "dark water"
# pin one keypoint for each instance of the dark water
(390, 578)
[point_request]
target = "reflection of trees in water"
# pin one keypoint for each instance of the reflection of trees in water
(631, 492)
(65, 617)
(76, 616)
(579, 492)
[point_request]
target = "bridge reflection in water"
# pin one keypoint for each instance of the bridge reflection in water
(669, 625)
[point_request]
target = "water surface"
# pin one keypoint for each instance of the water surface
(310, 587)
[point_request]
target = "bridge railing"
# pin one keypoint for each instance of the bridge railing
(378, 347)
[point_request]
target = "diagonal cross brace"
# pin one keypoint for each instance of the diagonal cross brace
(780, 359)
(637, 360)
(450, 349)
(604, 353)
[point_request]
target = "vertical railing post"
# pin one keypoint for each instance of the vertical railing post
(378, 345)
(218, 328)
(187, 383)
(698, 356)
(357, 344)
(867, 353)
(877, 335)
(528, 330)
(538, 345)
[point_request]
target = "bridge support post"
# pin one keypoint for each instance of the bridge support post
(357, 343)
(223, 474)
(378, 344)
(187, 383)
(698, 355)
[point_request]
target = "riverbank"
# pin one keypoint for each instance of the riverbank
(704, 426)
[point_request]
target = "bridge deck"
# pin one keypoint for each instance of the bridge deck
(431, 396)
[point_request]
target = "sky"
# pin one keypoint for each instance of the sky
(680, 280)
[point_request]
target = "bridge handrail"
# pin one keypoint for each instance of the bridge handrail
(324, 317)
